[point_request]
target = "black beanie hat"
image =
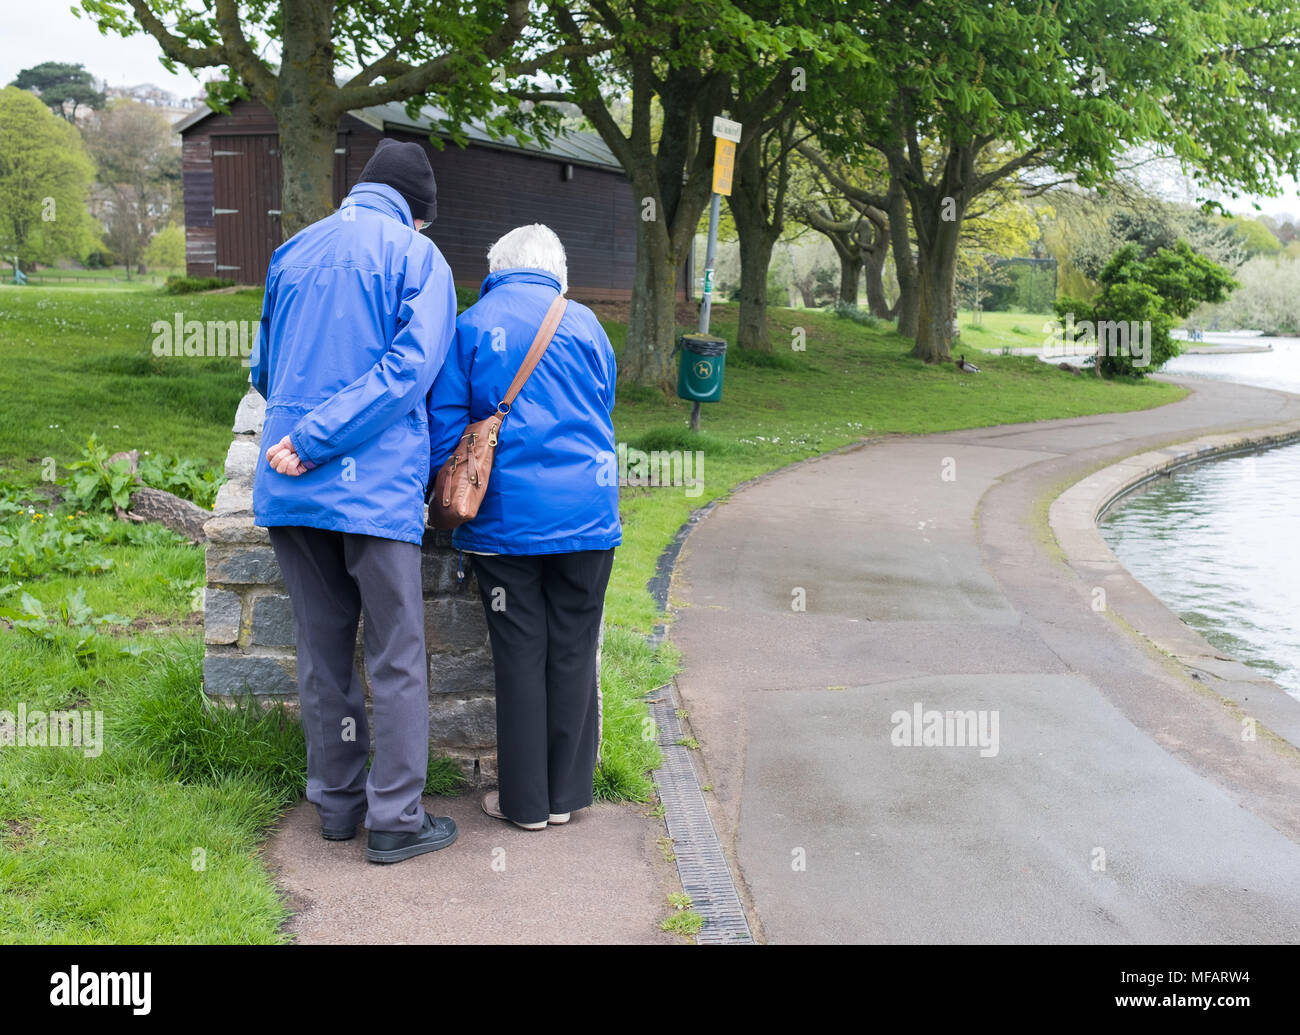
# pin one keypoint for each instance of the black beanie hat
(405, 167)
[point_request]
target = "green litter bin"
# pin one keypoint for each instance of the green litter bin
(699, 367)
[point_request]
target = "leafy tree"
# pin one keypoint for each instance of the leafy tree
(45, 176)
(1138, 292)
(139, 175)
(1255, 237)
(167, 249)
(683, 64)
(857, 229)
(416, 52)
(1069, 86)
(63, 87)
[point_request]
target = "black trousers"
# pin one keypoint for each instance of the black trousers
(543, 614)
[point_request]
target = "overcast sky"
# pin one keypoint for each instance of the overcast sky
(32, 31)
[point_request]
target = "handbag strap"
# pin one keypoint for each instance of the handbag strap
(544, 335)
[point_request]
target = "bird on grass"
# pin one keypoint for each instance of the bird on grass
(966, 368)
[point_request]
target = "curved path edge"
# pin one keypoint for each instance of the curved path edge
(934, 575)
(1073, 516)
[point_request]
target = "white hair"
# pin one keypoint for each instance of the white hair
(530, 247)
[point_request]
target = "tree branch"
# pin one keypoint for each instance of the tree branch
(174, 46)
(417, 79)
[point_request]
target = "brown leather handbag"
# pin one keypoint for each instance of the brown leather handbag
(462, 480)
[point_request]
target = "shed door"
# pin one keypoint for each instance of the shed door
(246, 204)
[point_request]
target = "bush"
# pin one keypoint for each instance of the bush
(167, 249)
(848, 311)
(189, 285)
(1144, 293)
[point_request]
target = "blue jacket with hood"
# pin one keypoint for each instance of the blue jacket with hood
(358, 317)
(554, 481)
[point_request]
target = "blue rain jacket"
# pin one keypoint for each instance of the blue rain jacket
(359, 314)
(554, 481)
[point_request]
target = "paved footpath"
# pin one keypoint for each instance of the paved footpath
(1122, 804)
(602, 878)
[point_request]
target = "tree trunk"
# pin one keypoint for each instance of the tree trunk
(850, 270)
(307, 147)
(755, 258)
(877, 304)
(904, 261)
(647, 357)
(937, 272)
(748, 206)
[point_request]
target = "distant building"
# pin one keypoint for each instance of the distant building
(231, 176)
(166, 102)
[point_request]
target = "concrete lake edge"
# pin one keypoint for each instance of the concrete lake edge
(1073, 516)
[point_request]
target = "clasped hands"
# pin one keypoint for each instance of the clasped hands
(285, 459)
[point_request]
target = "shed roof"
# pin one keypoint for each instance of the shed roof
(572, 146)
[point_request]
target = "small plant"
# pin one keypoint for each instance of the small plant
(99, 483)
(14, 499)
(182, 477)
(71, 617)
(443, 776)
(684, 920)
(666, 849)
(45, 545)
(688, 742)
(109, 531)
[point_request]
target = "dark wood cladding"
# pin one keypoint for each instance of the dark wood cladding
(483, 191)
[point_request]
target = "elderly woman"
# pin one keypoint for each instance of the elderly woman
(544, 536)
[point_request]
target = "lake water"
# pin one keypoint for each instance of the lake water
(1277, 369)
(1219, 542)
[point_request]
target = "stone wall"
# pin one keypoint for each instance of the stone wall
(248, 627)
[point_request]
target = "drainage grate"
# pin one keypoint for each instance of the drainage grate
(701, 866)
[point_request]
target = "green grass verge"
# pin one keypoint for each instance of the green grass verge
(109, 848)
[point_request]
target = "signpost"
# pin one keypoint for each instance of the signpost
(726, 136)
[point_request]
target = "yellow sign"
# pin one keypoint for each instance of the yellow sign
(724, 160)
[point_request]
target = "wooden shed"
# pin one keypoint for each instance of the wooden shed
(231, 171)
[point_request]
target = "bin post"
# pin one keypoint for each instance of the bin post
(710, 254)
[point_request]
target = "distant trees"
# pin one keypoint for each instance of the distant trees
(139, 173)
(62, 87)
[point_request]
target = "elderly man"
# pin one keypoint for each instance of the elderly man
(545, 532)
(359, 314)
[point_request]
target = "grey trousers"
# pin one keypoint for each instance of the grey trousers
(332, 577)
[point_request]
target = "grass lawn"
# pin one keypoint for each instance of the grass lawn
(1003, 330)
(156, 838)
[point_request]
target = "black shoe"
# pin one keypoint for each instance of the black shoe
(390, 846)
(338, 833)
